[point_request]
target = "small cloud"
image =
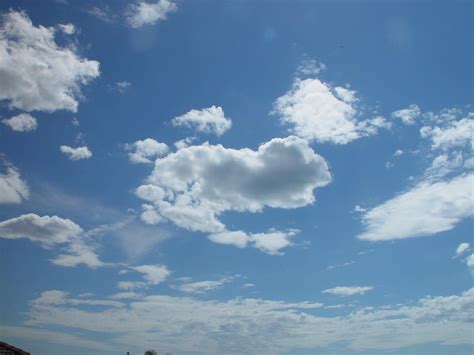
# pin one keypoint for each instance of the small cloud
(398, 153)
(75, 122)
(144, 13)
(348, 290)
(68, 28)
(462, 248)
(22, 123)
(207, 120)
(359, 209)
(122, 86)
(78, 153)
(248, 285)
(407, 115)
(142, 151)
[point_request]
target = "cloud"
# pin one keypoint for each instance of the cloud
(53, 231)
(398, 153)
(22, 122)
(271, 242)
(12, 188)
(407, 115)
(319, 111)
(348, 290)
(451, 134)
(462, 248)
(143, 151)
(330, 267)
(152, 275)
(122, 86)
(35, 72)
(68, 28)
(201, 182)
(201, 287)
(145, 13)
(78, 153)
(45, 230)
(310, 67)
(426, 209)
(470, 261)
(208, 120)
(102, 13)
(257, 326)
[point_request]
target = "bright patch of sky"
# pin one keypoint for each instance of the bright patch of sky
(236, 177)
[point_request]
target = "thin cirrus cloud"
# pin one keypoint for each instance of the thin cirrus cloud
(201, 287)
(193, 185)
(319, 111)
(261, 325)
(152, 275)
(145, 13)
(24, 48)
(78, 153)
(13, 189)
(21, 123)
(207, 120)
(348, 290)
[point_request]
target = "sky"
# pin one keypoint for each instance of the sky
(236, 177)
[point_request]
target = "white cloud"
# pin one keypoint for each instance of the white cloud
(22, 123)
(358, 208)
(331, 267)
(201, 287)
(53, 231)
(310, 67)
(145, 13)
(149, 215)
(126, 296)
(67, 28)
(470, 261)
(348, 290)
(153, 274)
(12, 188)
(408, 115)
(462, 248)
(426, 209)
(76, 153)
(122, 86)
(201, 182)
(102, 13)
(45, 230)
(451, 134)
(207, 120)
(319, 111)
(36, 73)
(271, 242)
(443, 165)
(398, 153)
(144, 151)
(258, 326)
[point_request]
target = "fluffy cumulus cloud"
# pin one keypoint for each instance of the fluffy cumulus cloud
(78, 153)
(271, 242)
(451, 134)
(145, 151)
(53, 232)
(36, 73)
(208, 120)
(247, 325)
(45, 230)
(318, 111)
(408, 115)
(348, 290)
(427, 208)
(192, 186)
(21, 123)
(143, 13)
(12, 188)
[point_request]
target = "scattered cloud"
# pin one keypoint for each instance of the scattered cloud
(310, 67)
(21, 123)
(407, 115)
(462, 248)
(102, 13)
(348, 290)
(122, 86)
(360, 209)
(152, 275)
(271, 242)
(450, 134)
(398, 153)
(144, 13)
(12, 188)
(208, 120)
(78, 153)
(195, 184)
(426, 209)
(246, 325)
(201, 287)
(144, 151)
(322, 112)
(24, 48)
(330, 267)
(67, 28)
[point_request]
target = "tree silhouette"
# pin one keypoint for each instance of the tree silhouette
(150, 352)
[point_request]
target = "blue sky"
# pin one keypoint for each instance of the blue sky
(245, 177)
